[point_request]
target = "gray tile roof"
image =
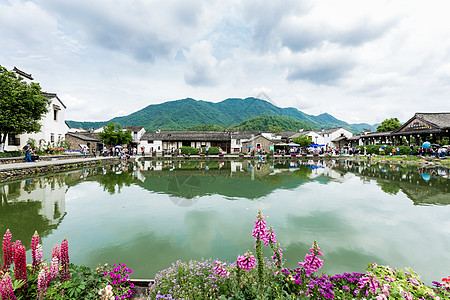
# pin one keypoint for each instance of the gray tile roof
(439, 119)
(85, 136)
(188, 135)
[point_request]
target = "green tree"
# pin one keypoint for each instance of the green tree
(389, 125)
(303, 140)
(112, 136)
(22, 106)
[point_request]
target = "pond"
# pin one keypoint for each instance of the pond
(149, 214)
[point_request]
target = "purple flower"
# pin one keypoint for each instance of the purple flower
(312, 261)
(246, 262)
(260, 231)
(220, 269)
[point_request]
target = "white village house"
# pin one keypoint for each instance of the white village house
(54, 127)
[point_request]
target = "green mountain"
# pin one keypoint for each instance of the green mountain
(268, 122)
(184, 113)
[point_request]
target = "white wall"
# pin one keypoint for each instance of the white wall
(58, 128)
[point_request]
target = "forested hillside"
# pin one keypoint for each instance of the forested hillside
(185, 113)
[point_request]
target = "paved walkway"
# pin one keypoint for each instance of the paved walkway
(43, 163)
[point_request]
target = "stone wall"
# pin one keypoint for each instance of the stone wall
(29, 171)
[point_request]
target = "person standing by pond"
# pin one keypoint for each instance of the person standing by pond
(27, 150)
(84, 150)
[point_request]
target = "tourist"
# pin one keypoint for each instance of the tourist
(84, 150)
(33, 155)
(398, 150)
(27, 151)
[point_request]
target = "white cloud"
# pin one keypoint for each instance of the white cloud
(201, 65)
(361, 61)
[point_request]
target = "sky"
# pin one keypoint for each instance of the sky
(360, 61)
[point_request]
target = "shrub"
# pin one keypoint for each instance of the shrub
(11, 154)
(189, 150)
(374, 149)
(211, 151)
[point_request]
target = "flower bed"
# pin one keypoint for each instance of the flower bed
(58, 279)
(257, 277)
(251, 276)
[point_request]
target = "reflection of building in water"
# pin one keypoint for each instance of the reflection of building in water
(49, 191)
(422, 186)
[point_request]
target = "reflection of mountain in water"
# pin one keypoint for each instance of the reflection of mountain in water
(32, 204)
(236, 180)
(422, 186)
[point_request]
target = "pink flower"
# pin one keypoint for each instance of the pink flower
(385, 289)
(8, 252)
(43, 281)
(312, 261)
(65, 273)
(55, 252)
(34, 245)
(246, 262)
(54, 268)
(20, 264)
(6, 289)
(381, 297)
(278, 259)
(260, 232)
(220, 269)
(407, 296)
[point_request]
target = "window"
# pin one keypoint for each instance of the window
(55, 115)
(150, 142)
(238, 141)
(52, 137)
(13, 141)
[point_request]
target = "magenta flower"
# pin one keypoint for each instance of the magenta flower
(246, 262)
(8, 252)
(278, 256)
(6, 289)
(65, 273)
(56, 252)
(34, 245)
(20, 264)
(260, 231)
(220, 269)
(312, 261)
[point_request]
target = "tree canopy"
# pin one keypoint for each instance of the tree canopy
(389, 125)
(303, 140)
(112, 136)
(22, 106)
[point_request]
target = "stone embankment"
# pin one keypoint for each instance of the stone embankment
(17, 167)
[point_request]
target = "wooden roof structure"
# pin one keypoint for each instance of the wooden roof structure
(425, 123)
(22, 73)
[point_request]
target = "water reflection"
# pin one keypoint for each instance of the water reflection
(150, 213)
(251, 179)
(32, 204)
